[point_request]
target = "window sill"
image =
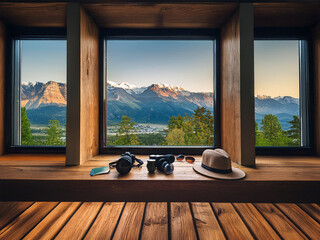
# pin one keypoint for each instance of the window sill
(44, 177)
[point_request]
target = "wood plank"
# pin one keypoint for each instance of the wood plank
(182, 226)
(155, 224)
(312, 209)
(34, 14)
(10, 210)
(27, 220)
(237, 93)
(78, 225)
(255, 221)
(161, 15)
(207, 225)
(231, 222)
(132, 216)
(2, 85)
(285, 228)
(106, 221)
(28, 159)
(286, 14)
(53, 222)
(83, 85)
(307, 224)
(316, 64)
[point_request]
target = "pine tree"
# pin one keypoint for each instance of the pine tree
(175, 137)
(26, 136)
(294, 131)
(259, 137)
(272, 131)
(126, 132)
(54, 133)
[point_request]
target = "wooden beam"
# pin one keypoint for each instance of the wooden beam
(83, 86)
(237, 86)
(316, 107)
(2, 84)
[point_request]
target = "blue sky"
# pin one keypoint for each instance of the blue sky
(188, 64)
(277, 68)
(43, 61)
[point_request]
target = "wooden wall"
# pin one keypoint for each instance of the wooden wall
(2, 84)
(237, 86)
(316, 48)
(83, 86)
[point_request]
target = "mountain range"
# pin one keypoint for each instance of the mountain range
(151, 104)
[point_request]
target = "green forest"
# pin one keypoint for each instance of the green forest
(188, 130)
(53, 133)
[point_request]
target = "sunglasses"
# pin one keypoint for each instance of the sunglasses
(189, 159)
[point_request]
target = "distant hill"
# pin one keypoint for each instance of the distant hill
(151, 104)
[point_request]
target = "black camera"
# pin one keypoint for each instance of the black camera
(126, 162)
(164, 162)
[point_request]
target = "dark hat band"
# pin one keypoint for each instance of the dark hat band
(215, 169)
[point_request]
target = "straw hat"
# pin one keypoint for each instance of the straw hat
(217, 164)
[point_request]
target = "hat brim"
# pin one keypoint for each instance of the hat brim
(234, 175)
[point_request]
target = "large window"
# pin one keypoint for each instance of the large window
(281, 95)
(39, 92)
(159, 92)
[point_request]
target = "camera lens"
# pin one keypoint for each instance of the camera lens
(124, 165)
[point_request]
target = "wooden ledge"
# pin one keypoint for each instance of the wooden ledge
(45, 178)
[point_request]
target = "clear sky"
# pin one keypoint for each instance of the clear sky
(188, 64)
(276, 68)
(43, 61)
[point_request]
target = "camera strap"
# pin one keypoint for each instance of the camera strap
(140, 162)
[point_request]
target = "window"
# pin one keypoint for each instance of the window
(39, 92)
(281, 93)
(159, 92)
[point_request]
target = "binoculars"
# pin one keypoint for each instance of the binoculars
(162, 162)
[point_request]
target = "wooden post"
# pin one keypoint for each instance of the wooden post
(2, 85)
(316, 107)
(83, 86)
(237, 86)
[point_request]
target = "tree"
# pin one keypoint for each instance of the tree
(272, 131)
(294, 131)
(175, 137)
(26, 136)
(196, 129)
(54, 133)
(126, 132)
(259, 136)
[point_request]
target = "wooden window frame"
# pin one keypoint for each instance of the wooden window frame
(305, 77)
(160, 34)
(25, 33)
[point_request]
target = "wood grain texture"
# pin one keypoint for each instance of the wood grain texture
(155, 223)
(233, 226)
(307, 224)
(131, 216)
(237, 104)
(10, 210)
(312, 209)
(34, 14)
(182, 226)
(161, 15)
(286, 14)
(2, 85)
(206, 222)
(78, 225)
(83, 85)
(27, 220)
(280, 222)
(89, 87)
(316, 107)
(53, 222)
(276, 179)
(255, 221)
(105, 223)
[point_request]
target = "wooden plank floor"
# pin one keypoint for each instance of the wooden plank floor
(158, 220)
(45, 178)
